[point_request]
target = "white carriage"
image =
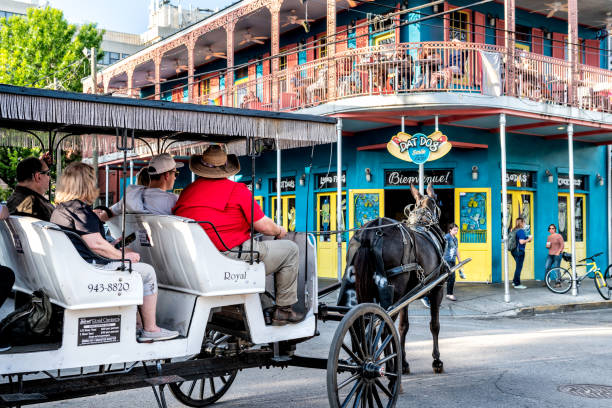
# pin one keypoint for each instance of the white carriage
(214, 302)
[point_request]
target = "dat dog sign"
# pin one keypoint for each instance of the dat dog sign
(419, 148)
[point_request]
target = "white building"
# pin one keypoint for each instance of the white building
(9, 8)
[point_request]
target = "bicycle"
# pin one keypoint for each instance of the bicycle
(559, 279)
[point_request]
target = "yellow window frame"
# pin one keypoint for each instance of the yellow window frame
(380, 203)
(287, 216)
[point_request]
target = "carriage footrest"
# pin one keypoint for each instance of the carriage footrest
(164, 379)
(21, 397)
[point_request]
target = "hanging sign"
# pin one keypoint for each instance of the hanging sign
(419, 148)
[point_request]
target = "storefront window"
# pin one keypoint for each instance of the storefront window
(563, 217)
(325, 218)
(578, 226)
(459, 25)
(473, 217)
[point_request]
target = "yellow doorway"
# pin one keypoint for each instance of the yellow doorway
(473, 212)
(580, 223)
(287, 211)
(520, 204)
(327, 243)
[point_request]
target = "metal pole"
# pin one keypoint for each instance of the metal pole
(106, 202)
(502, 143)
(131, 172)
(279, 207)
(339, 226)
(572, 205)
(94, 78)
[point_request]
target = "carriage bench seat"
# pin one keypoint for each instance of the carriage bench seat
(185, 259)
(43, 257)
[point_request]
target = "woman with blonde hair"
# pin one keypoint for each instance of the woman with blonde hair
(76, 192)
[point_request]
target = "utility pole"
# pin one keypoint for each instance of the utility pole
(94, 71)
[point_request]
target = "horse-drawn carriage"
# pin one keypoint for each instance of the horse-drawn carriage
(214, 302)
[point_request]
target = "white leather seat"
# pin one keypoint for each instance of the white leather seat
(185, 258)
(48, 260)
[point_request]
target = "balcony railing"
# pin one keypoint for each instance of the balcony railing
(422, 67)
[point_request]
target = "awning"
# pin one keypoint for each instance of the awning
(66, 112)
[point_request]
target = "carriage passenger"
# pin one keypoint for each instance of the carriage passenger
(152, 197)
(32, 183)
(7, 277)
(76, 191)
(227, 205)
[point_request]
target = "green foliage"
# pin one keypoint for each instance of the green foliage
(9, 158)
(41, 46)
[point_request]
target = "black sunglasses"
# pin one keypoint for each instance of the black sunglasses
(46, 172)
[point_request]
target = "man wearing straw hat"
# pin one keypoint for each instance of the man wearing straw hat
(227, 205)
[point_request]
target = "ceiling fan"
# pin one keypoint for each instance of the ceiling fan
(151, 78)
(355, 3)
(607, 22)
(293, 19)
(180, 67)
(215, 54)
(552, 8)
(248, 38)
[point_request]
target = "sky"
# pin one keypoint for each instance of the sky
(130, 16)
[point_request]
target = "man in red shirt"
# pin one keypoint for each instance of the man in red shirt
(227, 205)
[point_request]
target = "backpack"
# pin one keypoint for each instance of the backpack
(30, 323)
(512, 241)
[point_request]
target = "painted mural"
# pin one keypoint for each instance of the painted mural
(473, 217)
(367, 208)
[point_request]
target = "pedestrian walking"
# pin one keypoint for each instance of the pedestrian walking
(519, 252)
(451, 256)
(555, 245)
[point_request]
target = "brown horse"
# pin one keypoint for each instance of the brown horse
(384, 246)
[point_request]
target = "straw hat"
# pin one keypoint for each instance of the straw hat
(214, 163)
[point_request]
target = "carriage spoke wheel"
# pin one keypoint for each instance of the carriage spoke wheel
(364, 367)
(204, 391)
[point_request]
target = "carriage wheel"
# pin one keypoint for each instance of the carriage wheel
(364, 368)
(204, 391)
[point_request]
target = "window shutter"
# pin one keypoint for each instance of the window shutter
(592, 52)
(500, 38)
(537, 41)
(558, 46)
(362, 32)
(341, 39)
(479, 28)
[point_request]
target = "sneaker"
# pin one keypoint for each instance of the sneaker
(520, 287)
(425, 302)
(4, 348)
(162, 334)
(451, 297)
(461, 274)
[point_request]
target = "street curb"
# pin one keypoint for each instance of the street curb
(562, 308)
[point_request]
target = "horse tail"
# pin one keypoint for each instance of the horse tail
(364, 273)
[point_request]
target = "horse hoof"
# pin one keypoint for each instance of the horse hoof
(438, 367)
(406, 369)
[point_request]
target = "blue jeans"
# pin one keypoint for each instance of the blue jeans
(552, 261)
(519, 258)
(450, 282)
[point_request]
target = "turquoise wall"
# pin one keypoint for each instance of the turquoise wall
(528, 153)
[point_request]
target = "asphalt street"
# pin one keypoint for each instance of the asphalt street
(492, 362)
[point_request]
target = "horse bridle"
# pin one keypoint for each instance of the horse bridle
(422, 215)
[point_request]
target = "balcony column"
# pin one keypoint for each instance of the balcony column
(509, 27)
(331, 50)
(157, 58)
(190, 68)
(229, 76)
(130, 82)
(572, 39)
(274, 8)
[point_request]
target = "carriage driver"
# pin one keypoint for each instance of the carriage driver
(227, 205)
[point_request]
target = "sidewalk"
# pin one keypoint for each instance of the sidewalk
(487, 300)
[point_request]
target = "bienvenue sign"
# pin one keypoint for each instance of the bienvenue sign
(408, 177)
(419, 148)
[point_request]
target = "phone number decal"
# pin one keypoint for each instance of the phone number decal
(108, 287)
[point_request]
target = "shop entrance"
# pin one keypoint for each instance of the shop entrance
(520, 204)
(473, 211)
(327, 244)
(580, 223)
(397, 199)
